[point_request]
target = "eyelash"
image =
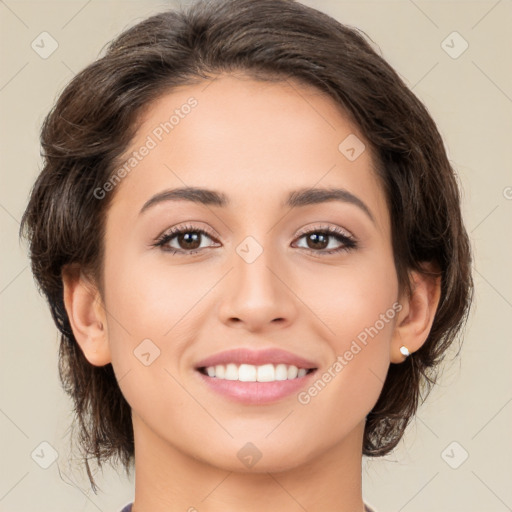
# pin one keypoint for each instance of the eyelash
(349, 242)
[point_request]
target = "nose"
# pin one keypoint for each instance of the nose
(257, 296)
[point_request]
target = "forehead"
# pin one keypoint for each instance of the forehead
(254, 140)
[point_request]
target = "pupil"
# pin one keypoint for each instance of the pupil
(190, 239)
(315, 238)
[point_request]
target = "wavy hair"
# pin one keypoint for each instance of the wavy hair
(95, 118)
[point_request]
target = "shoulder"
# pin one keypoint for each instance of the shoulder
(128, 508)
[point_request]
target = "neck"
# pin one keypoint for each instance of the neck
(169, 480)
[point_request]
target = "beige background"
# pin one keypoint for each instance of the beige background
(470, 97)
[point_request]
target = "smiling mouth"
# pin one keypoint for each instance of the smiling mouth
(252, 373)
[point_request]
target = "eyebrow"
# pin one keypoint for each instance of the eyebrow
(296, 198)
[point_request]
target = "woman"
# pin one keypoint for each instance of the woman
(250, 238)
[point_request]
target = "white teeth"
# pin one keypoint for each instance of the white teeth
(281, 372)
(250, 373)
(247, 373)
(231, 372)
(266, 373)
(220, 371)
(292, 372)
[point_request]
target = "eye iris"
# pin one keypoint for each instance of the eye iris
(190, 237)
(318, 238)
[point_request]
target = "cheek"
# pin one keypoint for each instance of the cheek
(346, 390)
(153, 313)
(358, 308)
(150, 300)
(148, 313)
(351, 299)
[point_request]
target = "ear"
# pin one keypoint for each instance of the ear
(86, 314)
(415, 319)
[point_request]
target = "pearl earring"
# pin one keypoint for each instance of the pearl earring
(404, 351)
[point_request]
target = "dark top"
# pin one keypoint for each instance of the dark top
(128, 508)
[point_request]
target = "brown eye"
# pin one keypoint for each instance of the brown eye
(185, 240)
(189, 240)
(319, 240)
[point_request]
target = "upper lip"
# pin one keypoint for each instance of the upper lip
(256, 357)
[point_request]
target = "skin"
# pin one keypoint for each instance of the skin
(255, 142)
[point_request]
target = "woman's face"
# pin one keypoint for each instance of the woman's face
(255, 281)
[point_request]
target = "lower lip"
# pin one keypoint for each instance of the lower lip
(256, 392)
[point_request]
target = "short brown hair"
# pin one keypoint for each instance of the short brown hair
(94, 121)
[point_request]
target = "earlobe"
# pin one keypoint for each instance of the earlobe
(86, 315)
(415, 320)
